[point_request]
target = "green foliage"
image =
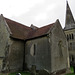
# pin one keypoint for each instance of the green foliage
(72, 71)
(70, 74)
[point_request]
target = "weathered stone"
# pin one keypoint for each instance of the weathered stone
(46, 48)
(48, 52)
(69, 23)
(70, 34)
(11, 50)
(43, 72)
(33, 70)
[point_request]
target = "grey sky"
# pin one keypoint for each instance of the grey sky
(38, 12)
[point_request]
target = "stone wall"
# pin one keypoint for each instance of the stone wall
(11, 50)
(71, 44)
(16, 55)
(59, 49)
(4, 38)
(37, 52)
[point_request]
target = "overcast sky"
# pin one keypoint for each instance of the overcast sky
(37, 12)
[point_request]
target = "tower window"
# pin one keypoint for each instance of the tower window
(67, 37)
(72, 58)
(70, 46)
(72, 36)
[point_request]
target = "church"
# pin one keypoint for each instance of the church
(22, 47)
(70, 34)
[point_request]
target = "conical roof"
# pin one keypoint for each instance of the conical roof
(69, 18)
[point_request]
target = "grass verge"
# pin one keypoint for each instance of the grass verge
(22, 73)
(72, 70)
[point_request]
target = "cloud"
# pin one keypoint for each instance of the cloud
(17, 7)
(41, 16)
(37, 12)
(42, 13)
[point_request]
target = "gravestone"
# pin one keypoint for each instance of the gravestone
(18, 74)
(33, 70)
(43, 72)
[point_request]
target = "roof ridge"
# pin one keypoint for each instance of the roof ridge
(40, 31)
(47, 25)
(21, 31)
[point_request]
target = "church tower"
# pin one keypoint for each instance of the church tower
(69, 22)
(70, 34)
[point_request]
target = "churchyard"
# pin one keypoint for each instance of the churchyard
(22, 73)
(27, 73)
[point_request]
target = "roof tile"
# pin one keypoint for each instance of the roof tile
(40, 31)
(18, 30)
(23, 32)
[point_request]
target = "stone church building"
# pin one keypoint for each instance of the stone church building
(70, 33)
(21, 47)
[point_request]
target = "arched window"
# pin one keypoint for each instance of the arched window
(72, 58)
(72, 36)
(67, 37)
(70, 46)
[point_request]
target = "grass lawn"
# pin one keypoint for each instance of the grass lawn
(72, 72)
(22, 73)
(27, 73)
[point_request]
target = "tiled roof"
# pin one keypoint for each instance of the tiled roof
(18, 30)
(40, 31)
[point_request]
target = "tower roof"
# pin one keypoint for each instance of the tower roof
(69, 17)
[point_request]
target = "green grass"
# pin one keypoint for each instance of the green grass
(70, 74)
(72, 70)
(27, 73)
(22, 73)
